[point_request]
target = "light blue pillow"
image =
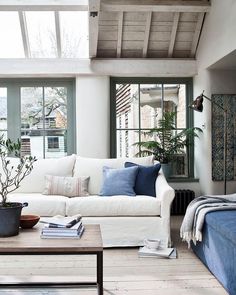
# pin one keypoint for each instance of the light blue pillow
(119, 181)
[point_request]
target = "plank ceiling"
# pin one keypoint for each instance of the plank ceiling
(146, 28)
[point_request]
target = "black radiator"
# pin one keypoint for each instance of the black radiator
(182, 198)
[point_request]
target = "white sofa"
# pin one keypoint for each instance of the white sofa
(124, 220)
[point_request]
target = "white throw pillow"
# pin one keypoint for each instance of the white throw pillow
(66, 186)
(93, 167)
(35, 182)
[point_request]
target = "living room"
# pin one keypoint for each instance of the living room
(84, 81)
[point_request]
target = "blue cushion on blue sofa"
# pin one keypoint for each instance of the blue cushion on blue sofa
(146, 178)
(119, 181)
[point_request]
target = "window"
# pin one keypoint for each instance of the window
(53, 143)
(136, 106)
(41, 113)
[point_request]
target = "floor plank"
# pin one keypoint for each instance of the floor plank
(124, 272)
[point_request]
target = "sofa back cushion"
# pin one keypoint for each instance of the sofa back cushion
(94, 168)
(35, 181)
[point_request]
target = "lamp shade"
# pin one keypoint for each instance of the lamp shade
(197, 104)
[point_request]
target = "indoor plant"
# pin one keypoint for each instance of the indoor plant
(10, 178)
(167, 142)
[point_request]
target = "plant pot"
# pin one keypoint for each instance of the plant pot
(10, 219)
(166, 168)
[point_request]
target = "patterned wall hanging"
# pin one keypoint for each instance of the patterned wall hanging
(227, 101)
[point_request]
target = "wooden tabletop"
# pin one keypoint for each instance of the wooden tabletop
(29, 241)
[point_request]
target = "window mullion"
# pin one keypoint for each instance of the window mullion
(44, 132)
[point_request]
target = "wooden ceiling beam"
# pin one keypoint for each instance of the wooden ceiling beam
(197, 34)
(173, 34)
(64, 67)
(147, 33)
(120, 33)
(94, 9)
(155, 5)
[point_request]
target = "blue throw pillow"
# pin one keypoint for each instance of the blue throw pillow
(146, 178)
(119, 181)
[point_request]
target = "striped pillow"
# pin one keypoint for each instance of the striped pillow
(66, 186)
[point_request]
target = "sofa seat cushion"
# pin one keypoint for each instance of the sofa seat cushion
(40, 204)
(224, 222)
(94, 167)
(113, 206)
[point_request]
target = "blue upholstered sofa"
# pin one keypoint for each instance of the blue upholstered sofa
(218, 248)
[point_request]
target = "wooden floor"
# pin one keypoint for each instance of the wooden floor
(124, 272)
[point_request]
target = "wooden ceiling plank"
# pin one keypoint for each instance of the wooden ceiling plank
(155, 5)
(94, 9)
(120, 33)
(147, 33)
(197, 34)
(173, 34)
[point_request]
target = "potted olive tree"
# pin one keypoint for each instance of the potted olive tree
(11, 176)
(165, 142)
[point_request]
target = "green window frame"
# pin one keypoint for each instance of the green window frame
(14, 126)
(152, 80)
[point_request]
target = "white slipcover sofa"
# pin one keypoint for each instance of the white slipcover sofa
(124, 220)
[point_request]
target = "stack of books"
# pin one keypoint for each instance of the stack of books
(62, 228)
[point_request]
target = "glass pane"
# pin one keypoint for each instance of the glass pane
(42, 33)
(10, 35)
(32, 143)
(150, 104)
(74, 33)
(31, 107)
(127, 104)
(175, 101)
(3, 108)
(55, 143)
(4, 133)
(124, 143)
(55, 107)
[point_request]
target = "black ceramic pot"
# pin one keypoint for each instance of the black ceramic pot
(10, 219)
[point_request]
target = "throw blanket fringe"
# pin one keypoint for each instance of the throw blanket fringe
(191, 228)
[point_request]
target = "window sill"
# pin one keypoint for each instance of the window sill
(182, 179)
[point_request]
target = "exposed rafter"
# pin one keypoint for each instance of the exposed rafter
(173, 34)
(197, 34)
(94, 8)
(147, 33)
(58, 33)
(46, 5)
(155, 5)
(119, 33)
(24, 33)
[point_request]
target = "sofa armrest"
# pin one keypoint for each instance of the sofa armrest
(165, 193)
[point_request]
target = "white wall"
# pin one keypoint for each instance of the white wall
(213, 82)
(218, 35)
(93, 116)
(217, 41)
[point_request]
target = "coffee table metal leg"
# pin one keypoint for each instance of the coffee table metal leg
(100, 272)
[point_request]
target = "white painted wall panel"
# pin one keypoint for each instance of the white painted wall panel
(92, 116)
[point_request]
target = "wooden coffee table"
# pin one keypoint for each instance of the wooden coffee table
(28, 242)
